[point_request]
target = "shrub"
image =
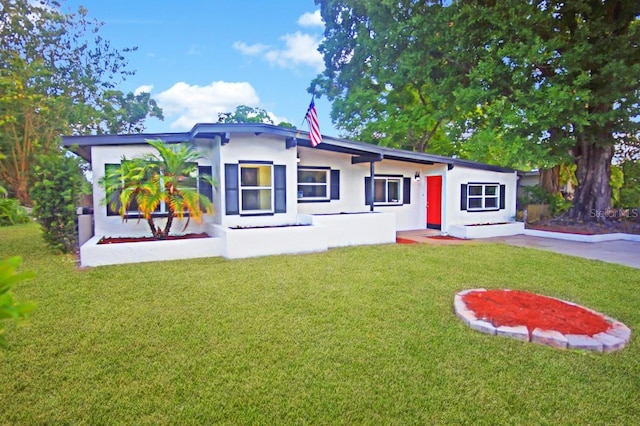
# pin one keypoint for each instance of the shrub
(55, 197)
(12, 213)
(9, 308)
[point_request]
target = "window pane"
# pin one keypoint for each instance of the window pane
(475, 189)
(317, 191)
(394, 191)
(380, 191)
(255, 175)
(491, 190)
(256, 199)
(491, 203)
(312, 176)
(475, 203)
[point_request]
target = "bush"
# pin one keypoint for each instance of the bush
(12, 213)
(55, 197)
(536, 194)
(9, 308)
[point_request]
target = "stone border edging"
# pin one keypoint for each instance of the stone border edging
(614, 339)
(584, 238)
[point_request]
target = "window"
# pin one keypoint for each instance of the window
(389, 190)
(256, 188)
(482, 197)
(313, 184)
(318, 184)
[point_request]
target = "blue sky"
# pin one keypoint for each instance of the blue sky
(198, 58)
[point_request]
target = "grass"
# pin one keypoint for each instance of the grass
(363, 335)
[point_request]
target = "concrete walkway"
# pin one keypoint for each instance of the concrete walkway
(619, 251)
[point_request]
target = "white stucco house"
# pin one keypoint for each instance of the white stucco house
(270, 181)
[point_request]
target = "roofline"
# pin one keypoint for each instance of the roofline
(81, 144)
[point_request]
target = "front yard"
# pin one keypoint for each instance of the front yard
(362, 335)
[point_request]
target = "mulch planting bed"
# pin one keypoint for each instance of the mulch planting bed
(540, 319)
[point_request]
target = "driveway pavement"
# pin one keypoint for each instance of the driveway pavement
(619, 251)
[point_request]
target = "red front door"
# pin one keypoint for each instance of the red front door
(434, 202)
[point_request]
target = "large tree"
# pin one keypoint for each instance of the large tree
(58, 75)
(513, 82)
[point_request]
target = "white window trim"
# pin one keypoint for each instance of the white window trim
(483, 197)
(326, 184)
(242, 188)
(386, 179)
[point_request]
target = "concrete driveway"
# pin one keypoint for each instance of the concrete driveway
(619, 251)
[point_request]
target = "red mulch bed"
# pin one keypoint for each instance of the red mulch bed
(515, 308)
(116, 240)
(443, 237)
(405, 241)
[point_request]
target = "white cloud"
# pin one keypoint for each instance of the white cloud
(145, 88)
(253, 49)
(191, 104)
(300, 49)
(311, 19)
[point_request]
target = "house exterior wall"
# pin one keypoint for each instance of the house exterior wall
(352, 186)
(262, 148)
(115, 226)
(460, 175)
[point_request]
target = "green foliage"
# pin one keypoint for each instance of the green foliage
(513, 83)
(12, 213)
(57, 76)
(9, 308)
(616, 182)
(56, 195)
(630, 189)
(127, 113)
(245, 114)
(536, 194)
(167, 176)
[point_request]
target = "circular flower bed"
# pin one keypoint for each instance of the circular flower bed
(540, 319)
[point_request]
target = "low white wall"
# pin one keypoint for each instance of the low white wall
(252, 242)
(352, 229)
(595, 238)
(486, 231)
(94, 254)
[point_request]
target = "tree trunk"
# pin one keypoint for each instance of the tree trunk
(593, 194)
(550, 179)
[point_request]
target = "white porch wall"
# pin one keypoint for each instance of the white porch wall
(463, 175)
(266, 148)
(114, 226)
(352, 190)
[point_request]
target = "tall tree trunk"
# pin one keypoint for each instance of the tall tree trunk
(593, 194)
(550, 179)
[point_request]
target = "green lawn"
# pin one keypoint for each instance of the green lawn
(363, 335)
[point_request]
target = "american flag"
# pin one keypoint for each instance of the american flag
(314, 128)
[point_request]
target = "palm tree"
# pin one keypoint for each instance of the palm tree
(168, 176)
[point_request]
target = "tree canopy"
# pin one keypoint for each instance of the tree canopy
(58, 75)
(526, 84)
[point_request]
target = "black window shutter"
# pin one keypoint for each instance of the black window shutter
(406, 190)
(335, 184)
(463, 197)
(205, 187)
(503, 196)
(367, 190)
(231, 189)
(280, 184)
